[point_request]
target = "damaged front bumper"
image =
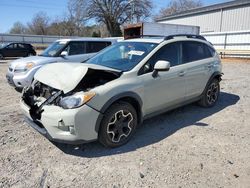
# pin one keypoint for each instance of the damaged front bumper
(73, 126)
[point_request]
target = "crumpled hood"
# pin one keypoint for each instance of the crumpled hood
(35, 59)
(65, 76)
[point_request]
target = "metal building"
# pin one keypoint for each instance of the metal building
(226, 25)
(229, 16)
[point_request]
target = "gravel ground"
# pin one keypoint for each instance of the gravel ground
(188, 147)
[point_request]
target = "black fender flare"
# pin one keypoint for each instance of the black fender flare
(115, 98)
(214, 75)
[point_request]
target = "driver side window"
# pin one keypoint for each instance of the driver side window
(169, 52)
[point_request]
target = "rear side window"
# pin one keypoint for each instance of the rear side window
(22, 46)
(194, 51)
(75, 48)
(93, 47)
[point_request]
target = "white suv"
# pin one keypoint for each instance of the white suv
(109, 95)
(21, 71)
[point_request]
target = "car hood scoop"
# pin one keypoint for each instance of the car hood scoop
(67, 76)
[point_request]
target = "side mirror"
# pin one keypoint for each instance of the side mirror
(160, 66)
(64, 53)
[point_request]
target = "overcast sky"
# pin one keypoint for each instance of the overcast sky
(12, 11)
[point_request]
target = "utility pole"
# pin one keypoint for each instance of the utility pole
(132, 5)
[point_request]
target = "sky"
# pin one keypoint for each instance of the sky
(12, 11)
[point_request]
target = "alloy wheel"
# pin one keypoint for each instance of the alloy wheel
(212, 93)
(119, 126)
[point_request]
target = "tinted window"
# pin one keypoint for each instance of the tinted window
(93, 47)
(22, 46)
(212, 51)
(10, 46)
(169, 52)
(194, 51)
(75, 48)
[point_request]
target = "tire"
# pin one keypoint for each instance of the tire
(118, 125)
(29, 54)
(211, 94)
(1, 56)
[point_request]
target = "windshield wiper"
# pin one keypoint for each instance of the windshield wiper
(85, 60)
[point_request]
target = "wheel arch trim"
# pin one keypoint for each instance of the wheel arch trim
(128, 94)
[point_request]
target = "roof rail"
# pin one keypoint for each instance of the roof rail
(142, 36)
(185, 35)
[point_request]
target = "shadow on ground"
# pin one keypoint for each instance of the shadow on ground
(155, 129)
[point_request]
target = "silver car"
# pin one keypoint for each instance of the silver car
(106, 98)
(21, 71)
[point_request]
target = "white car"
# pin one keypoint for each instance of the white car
(21, 71)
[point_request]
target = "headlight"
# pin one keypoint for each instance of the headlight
(76, 100)
(24, 68)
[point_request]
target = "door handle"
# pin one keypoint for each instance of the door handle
(210, 66)
(182, 73)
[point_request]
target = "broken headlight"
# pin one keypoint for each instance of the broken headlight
(76, 100)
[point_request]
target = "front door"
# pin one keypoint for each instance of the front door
(168, 88)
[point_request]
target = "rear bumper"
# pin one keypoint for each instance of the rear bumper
(73, 126)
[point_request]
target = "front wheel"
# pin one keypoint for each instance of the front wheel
(118, 125)
(211, 94)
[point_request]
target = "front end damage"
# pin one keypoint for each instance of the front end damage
(41, 104)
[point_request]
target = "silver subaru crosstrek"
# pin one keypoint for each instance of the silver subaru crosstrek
(106, 98)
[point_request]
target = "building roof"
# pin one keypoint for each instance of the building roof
(230, 4)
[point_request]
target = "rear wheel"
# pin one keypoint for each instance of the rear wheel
(211, 94)
(118, 125)
(29, 54)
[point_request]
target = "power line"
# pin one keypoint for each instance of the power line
(27, 6)
(42, 3)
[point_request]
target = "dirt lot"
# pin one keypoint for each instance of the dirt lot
(188, 147)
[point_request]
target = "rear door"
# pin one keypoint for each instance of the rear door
(22, 50)
(198, 62)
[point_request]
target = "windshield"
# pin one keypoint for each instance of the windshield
(123, 56)
(53, 49)
(2, 45)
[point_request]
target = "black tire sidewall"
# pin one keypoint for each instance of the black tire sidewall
(1, 56)
(205, 93)
(103, 135)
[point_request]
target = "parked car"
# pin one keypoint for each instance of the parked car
(21, 71)
(16, 49)
(107, 97)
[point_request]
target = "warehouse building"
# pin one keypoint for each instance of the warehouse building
(225, 25)
(224, 17)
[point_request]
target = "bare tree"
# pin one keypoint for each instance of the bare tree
(39, 24)
(113, 13)
(77, 14)
(176, 6)
(18, 28)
